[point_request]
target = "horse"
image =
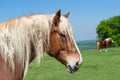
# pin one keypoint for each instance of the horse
(28, 37)
(103, 43)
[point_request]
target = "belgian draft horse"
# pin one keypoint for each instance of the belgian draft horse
(26, 38)
(103, 43)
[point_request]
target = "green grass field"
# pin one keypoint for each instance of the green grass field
(103, 66)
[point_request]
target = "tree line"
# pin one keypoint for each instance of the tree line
(109, 28)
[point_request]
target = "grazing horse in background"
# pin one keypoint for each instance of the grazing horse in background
(26, 38)
(103, 43)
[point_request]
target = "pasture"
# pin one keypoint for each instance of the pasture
(103, 66)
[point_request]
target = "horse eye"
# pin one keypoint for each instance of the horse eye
(62, 35)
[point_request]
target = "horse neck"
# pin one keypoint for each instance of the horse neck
(32, 53)
(40, 34)
(108, 40)
(27, 38)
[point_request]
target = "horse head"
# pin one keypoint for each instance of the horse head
(62, 44)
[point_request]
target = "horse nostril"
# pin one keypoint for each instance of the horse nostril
(78, 63)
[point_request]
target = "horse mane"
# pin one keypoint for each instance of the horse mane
(17, 34)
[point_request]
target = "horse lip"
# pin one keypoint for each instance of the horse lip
(72, 70)
(69, 69)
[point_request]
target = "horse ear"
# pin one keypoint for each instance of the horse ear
(56, 18)
(66, 15)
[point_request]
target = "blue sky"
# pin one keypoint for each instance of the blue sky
(84, 17)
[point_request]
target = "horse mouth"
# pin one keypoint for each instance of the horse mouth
(72, 69)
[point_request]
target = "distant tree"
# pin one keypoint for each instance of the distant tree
(109, 28)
